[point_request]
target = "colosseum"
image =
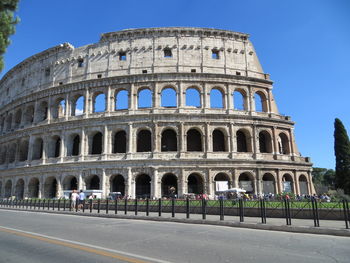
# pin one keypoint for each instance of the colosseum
(144, 112)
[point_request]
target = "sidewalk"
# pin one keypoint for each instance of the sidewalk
(327, 227)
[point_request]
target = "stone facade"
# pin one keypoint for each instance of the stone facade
(143, 111)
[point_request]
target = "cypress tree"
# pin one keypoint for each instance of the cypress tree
(7, 25)
(342, 156)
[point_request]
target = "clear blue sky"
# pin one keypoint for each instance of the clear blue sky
(303, 44)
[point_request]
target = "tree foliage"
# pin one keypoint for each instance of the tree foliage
(323, 179)
(7, 25)
(342, 156)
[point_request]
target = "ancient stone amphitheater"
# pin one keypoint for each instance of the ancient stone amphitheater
(146, 112)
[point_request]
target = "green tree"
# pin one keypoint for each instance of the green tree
(324, 179)
(7, 25)
(342, 156)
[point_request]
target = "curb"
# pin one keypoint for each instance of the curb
(257, 226)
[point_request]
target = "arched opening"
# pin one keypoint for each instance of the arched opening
(50, 187)
(283, 144)
(122, 100)
(168, 98)
(193, 98)
(57, 152)
(70, 182)
(246, 183)
(239, 100)
(169, 141)
(303, 185)
(287, 181)
(117, 184)
(33, 188)
(76, 145)
(242, 142)
(12, 153)
(38, 148)
(169, 185)
(99, 102)
(78, 106)
(119, 145)
(28, 115)
(143, 186)
(3, 152)
(265, 142)
(260, 102)
(222, 182)
(92, 182)
(194, 141)
(219, 142)
(42, 111)
(216, 98)
(59, 108)
(269, 184)
(18, 118)
(8, 189)
(195, 184)
(144, 141)
(23, 151)
(144, 99)
(9, 122)
(19, 192)
(96, 144)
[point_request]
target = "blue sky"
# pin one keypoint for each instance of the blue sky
(304, 45)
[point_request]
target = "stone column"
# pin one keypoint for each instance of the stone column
(81, 184)
(208, 145)
(63, 148)
(279, 188)
(205, 97)
(41, 187)
(274, 139)
(67, 106)
(45, 148)
(132, 97)
(229, 98)
(251, 99)
(83, 144)
(291, 144)
(255, 139)
(180, 96)
(87, 103)
(182, 138)
(59, 192)
(129, 186)
(103, 185)
(130, 150)
(49, 108)
(108, 100)
(156, 139)
(156, 96)
(259, 185)
(105, 141)
(155, 186)
(296, 184)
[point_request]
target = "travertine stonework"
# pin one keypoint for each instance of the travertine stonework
(48, 144)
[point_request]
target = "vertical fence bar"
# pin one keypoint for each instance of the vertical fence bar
(147, 207)
(345, 215)
(30, 204)
(173, 207)
(53, 204)
(126, 206)
(48, 204)
(44, 204)
(84, 206)
(204, 209)
(107, 205)
(90, 203)
(160, 207)
(347, 210)
(317, 217)
(116, 206)
(187, 207)
(221, 202)
(98, 205)
(34, 204)
(64, 204)
(70, 204)
(59, 205)
(289, 215)
(136, 207)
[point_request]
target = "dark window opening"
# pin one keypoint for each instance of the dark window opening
(99, 76)
(122, 56)
(118, 184)
(167, 53)
(119, 142)
(144, 71)
(195, 184)
(60, 83)
(215, 54)
(47, 72)
(80, 63)
(241, 142)
(143, 186)
(33, 188)
(169, 141)
(194, 141)
(144, 141)
(238, 73)
(265, 142)
(169, 186)
(218, 141)
(57, 148)
(76, 146)
(193, 70)
(93, 183)
(97, 143)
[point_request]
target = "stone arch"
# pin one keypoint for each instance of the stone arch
(121, 99)
(193, 97)
(42, 111)
(222, 182)
(38, 148)
(265, 142)
(54, 150)
(217, 98)
(96, 143)
(240, 100)
(19, 190)
(246, 182)
(92, 182)
(9, 122)
(144, 140)
(23, 150)
(28, 116)
(169, 185)
(117, 184)
(288, 183)
(260, 101)
(169, 140)
(219, 141)
(12, 152)
(195, 183)
(33, 188)
(50, 187)
(119, 142)
(78, 105)
(283, 143)
(303, 185)
(243, 140)
(58, 108)
(144, 98)
(269, 184)
(99, 102)
(73, 145)
(18, 118)
(194, 140)
(168, 97)
(8, 188)
(3, 154)
(143, 186)
(70, 182)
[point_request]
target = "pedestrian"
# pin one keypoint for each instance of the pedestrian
(81, 199)
(74, 198)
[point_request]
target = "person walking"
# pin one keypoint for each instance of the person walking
(81, 199)
(74, 198)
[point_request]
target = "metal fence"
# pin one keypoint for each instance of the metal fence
(263, 209)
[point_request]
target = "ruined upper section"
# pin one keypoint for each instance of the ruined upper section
(135, 51)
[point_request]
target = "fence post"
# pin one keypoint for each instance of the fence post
(187, 207)
(116, 206)
(221, 202)
(126, 206)
(315, 212)
(30, 204)
(59, 204)
(147, 207)
(84, 206)
(44, 204)
(64, 204)
(98, 205)
(136, 207)
(70, 204)
(53, 204)
(34, 204)
(107, 205)
(160, 207)
(347, 209)
(204, 209)
(173, 207)
(90, 203)
(345, 215)
(241, 210)
(289, 215)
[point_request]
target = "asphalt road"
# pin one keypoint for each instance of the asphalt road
(35, 237)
